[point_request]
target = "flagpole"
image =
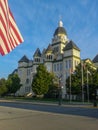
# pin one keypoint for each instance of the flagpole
(87, 88)
(82, 81)
(70, 85)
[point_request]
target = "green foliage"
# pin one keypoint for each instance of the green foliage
(13, 83)
(53, 91)
(3, 88)
(95, 79)
(77, 77)
(41, 81)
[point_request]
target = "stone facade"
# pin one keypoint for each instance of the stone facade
(61, 56)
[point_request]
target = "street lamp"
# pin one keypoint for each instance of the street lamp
(88, 73)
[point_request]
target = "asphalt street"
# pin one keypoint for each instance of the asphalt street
(66, 109)
(31, 116)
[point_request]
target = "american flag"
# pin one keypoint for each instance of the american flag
(10, 36)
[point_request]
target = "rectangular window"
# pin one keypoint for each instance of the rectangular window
(69, 64)
(28, 72)
(61, 66)
(54, 67)
(67, 75)
(66, 64)
(27, 89)
(57, 67)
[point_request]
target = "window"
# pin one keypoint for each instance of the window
(54, 67)
(69, 63)
(27, 81)
(57, 67)
(67, 75)
(49, 57)
(37, 59)
(27, 89)
(61, 66)
(56, 49)
(28, 72)
(66, 64)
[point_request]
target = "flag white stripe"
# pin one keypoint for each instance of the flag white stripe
(3, 46)
(15, 26)
(13, 34)
(10, 35)
(2, 15)
(4, 33)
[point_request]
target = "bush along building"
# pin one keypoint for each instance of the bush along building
(61, 56)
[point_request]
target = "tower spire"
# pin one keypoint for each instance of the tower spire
(60, 24)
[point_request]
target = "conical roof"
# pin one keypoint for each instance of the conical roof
(49, 48)
(24, 59)
(37, 53)
(71, 45)
(95, 59)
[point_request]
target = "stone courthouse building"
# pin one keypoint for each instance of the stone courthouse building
(61, 56)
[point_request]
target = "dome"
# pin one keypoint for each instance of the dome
(60, 29)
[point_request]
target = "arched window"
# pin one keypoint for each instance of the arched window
(27, 81)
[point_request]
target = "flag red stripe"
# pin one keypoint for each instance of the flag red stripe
(10, 35)
(18, 36)
(9, 39)
(3, 23)
(3, 12)
(1, 5)
(16, 33)
(1, 50)
(14, 42)
(1, 18)
(5, 42)
(11, 42)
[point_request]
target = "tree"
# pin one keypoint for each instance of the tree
(41, 81)
(76, 82)
(13, 83)
(94, 85)
(3, 88)
(53, 90)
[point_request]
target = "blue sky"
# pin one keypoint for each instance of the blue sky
(38, 19)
